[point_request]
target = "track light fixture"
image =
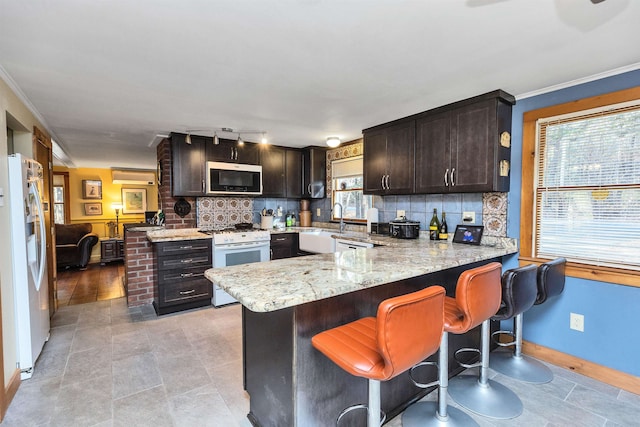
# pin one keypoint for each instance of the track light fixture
(224, 130)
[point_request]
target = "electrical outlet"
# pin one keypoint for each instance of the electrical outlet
(576, 322)
(469, 217)
(318, 212)
(399, 213)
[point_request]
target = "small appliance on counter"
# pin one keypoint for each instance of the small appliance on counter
(380, 228)
(402, 228)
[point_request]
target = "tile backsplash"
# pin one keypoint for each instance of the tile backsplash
(223, 212)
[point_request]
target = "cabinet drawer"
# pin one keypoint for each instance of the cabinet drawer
(280, 240)
(169, 277)
(184, 247)
(185, 292)
(188, 261)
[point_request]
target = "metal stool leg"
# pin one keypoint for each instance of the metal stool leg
(482, 395)
(518, 366)
(424, 414)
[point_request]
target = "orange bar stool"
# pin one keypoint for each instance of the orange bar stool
(551, 277)
(405, 331)
(519, 293)
(478, 297)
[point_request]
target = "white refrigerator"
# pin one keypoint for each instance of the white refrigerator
(28, 244)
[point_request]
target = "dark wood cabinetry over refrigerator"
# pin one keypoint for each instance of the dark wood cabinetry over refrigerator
(389, 159)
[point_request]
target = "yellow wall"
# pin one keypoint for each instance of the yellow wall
(111, 193)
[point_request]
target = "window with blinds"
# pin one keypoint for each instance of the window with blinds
(348, 184)
(587, 187)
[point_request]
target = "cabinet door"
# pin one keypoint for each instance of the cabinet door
(293, 173)
(273, 160)
(223, 152)
(314, 172)
(400, 158)
(473, 137)
(187, 166)
(248, 153)
(375, 161)
(433, 153)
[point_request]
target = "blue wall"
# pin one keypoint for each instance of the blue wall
(611, 334)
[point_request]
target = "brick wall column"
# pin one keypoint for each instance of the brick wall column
(140, 264)
(165, 199)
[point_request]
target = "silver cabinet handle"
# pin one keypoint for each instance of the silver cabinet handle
(388, 187)
(446, 175)
(282, 239)
(186, 247)
(309, 189)
(192, 291)
(453, 181)
(382, 182)
(183, 275)
(186, 261)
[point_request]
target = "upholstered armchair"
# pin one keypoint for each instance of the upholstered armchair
(73, 245)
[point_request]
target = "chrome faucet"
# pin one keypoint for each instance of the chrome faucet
(341, 216)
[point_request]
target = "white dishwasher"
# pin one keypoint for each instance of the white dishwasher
(344, 245)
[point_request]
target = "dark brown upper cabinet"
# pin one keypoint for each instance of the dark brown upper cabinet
(273, 160)
(188, 163)
(459, 150)
(230, 151)
(389, 159)
(314, 172)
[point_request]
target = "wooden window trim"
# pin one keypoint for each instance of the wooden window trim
(584, 271)
(67, 197)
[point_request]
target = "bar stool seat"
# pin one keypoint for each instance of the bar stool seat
(477, 299)
(519, 293)
(551, 278)
(405, 331)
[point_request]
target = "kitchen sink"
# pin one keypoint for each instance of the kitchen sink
(317, 241)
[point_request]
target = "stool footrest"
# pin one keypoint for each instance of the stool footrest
(419, 384)
(467, 350)
(496, 338)
(345, 411)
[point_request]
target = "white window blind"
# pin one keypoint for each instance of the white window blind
(351, 166)
(587, 188)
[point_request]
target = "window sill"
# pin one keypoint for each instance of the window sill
(616, 276)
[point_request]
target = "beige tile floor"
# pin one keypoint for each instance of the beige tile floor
(107, 365)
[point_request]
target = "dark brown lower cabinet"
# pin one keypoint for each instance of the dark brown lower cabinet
(180, 282)
(284, 245)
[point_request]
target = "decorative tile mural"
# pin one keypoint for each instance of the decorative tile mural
(223, 212)
(494, 214)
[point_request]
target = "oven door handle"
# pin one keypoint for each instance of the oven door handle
(233, 246)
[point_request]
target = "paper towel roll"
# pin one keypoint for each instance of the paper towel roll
(372, 216)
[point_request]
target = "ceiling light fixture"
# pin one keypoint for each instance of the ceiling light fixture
(216, 141)
(264, 139)
(240, 141)
(187, 138)
(333, 141)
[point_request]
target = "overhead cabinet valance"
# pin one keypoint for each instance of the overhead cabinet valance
(457, 148)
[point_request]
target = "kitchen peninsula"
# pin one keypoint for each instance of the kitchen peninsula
(286, 302)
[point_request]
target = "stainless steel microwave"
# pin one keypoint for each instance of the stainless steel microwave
(233, 178)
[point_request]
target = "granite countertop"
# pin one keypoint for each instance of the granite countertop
(274, 285)
(176, 234)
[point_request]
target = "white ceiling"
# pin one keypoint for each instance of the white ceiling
(107, 76)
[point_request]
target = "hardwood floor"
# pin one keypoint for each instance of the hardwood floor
(96, 283)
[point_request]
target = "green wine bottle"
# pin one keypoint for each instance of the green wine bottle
(434, 226)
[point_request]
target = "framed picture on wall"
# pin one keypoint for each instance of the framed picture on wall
(134, 200)
(92, 189)
(93, 208)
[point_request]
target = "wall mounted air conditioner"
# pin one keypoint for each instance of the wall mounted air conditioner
(137, 177)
